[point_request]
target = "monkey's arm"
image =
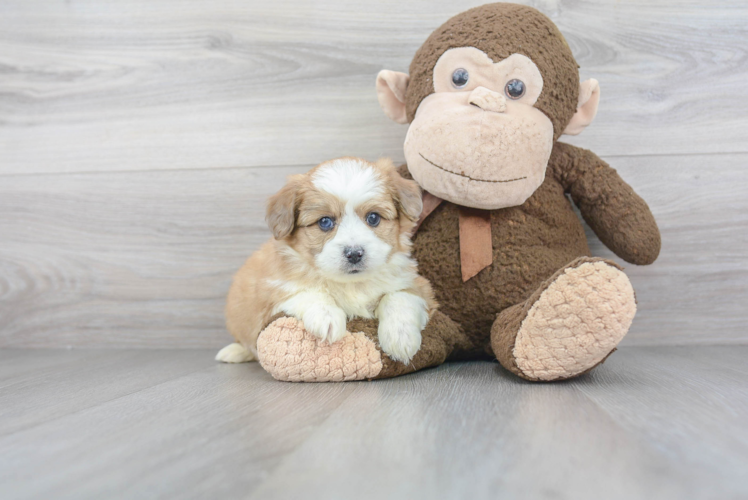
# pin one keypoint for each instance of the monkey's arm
(620, 218)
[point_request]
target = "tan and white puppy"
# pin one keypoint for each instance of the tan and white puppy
(341, 249)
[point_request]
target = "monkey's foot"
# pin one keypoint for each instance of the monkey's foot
(289, 353)
(569, 325)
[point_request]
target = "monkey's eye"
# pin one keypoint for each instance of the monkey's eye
(326, 223)
(515, 89)
(373, 218)
(460, 78)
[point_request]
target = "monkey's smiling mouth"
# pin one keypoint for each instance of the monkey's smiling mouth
(467, 176)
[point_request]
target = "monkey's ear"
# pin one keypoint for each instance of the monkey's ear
(391, 87)
(589, 98)
(281, 208)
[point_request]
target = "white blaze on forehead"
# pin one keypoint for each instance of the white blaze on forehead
(350, 180)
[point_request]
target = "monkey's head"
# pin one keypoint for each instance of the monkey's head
(489, 92)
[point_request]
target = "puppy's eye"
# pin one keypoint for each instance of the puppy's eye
(515, 89)
(326, 223)
(460, 78)
(373, 218)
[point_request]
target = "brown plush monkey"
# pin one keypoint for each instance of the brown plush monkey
(488, 96)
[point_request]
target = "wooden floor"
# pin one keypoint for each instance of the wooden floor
(653, 422)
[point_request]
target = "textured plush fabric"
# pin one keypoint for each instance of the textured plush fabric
(533, 241)
(289, 353)
(620, 217)
(476, 158)
(440, 338)
(530, 243)
(569, 324)
(500, 30)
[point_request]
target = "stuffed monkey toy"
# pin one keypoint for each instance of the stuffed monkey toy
(488, 96)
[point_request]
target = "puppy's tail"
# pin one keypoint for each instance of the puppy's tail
(234, 353)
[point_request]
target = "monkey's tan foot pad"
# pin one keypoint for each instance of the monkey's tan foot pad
(289, 353)
(577, 320)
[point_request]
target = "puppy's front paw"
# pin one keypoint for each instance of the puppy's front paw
(400, 340)
(325, 322)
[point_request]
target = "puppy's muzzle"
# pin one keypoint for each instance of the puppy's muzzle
(353, 254)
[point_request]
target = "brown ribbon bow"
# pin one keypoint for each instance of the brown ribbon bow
(476, 251)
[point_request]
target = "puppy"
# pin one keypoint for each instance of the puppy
(341, 249)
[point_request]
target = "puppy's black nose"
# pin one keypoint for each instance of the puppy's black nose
(353, 254)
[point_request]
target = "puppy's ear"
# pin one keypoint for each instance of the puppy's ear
(281, 208)
(408, 196)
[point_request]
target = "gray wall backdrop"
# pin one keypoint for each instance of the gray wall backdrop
(139, 140)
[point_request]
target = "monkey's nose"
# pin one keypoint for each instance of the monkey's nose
(488, 100)
(353, 254)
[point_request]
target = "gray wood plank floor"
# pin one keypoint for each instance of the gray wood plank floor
(653, 422)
